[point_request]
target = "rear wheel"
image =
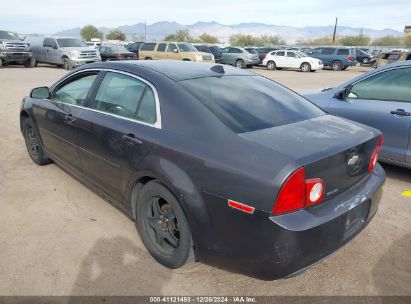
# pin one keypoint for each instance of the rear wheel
(148, 58)
(271, 65)
(163, 226)
(67, 64)
(305, 67)
(240, 64)
(33, 144)
(336, 65)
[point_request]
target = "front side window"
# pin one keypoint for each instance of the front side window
(235, 51)
(394, 85)
(75, 92)
(250, 103)
(126, 96)
(49, 42)
(171, 48)
(291, 54)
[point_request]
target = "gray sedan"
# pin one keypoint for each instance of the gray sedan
(381, 99)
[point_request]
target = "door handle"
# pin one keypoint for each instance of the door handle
(131, 140)
(70, 119)
(400, 112)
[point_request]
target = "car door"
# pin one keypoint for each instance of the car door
(57, 117)
(117, 130)
(280, 59)
(292, 60)
(46, 53)
(382, 101)
(172, 52)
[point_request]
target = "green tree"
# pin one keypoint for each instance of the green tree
(242, 40)
(326, 40)
(266, 40)
(387, 41)
(90, 31)
(355, 40)
(206, 38)
(116, 35)
(180, 36)
(407, 40)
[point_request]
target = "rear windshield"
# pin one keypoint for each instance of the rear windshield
(117, 49)
(251, 51)
(250, 103)
(70, 42)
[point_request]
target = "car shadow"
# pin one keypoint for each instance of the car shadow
(396, 172)
(118, 266)
(392, 273)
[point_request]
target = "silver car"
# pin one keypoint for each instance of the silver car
(67, 52)
(240, 57)
(380, 99)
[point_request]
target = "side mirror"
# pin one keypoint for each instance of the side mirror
(55, 47)
(175, 51)
(343, 93)
(40, 93)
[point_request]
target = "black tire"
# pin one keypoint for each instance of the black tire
(305, 67)
(30, 63)
(33, 143)
(148, 58)
(279, 68)
(163, 226)
(336, 65)
(1, 63)
(271, 65)
(185, 59)
(67, 64)
(239, 63)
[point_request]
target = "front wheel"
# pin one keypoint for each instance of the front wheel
(271, 65)
(305, 67)
(33, 144)
(30, 63)
(240, 64)
(67, 64)
(366, 60)
(1, 63)
(163, 226)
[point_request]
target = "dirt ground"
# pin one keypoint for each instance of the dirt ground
(59, 238)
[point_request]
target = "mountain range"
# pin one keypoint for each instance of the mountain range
(159, 30)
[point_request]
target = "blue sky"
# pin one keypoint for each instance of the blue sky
(53, 16)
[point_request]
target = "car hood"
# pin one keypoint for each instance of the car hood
(314, 139)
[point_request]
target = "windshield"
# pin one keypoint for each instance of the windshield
(301, 54)
(250, 103)
(70, 42)
(8, 36)
(186, 47)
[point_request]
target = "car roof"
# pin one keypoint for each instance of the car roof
(174, 69)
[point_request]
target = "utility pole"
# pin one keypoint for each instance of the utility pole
(145, 30)
(335, 29)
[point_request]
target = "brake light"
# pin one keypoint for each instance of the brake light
(135, 55)
(298, 193)
(120, 56)
(350, 58)
(375, 154)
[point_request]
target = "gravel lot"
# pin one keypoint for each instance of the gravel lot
(59, 238)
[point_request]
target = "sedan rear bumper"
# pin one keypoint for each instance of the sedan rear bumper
(272, 247)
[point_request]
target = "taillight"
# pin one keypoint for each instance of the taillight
(120, 56)
(349, 58)
(135, 55)
(298, 193)
(374, 155)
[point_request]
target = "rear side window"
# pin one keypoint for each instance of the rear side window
(393, 85)
(250, 103)
(161, 47)
(327, 51)
(343, 52)
(291, 54)
(148, 46)
(119, 94)
(147, 108)
(281, 53)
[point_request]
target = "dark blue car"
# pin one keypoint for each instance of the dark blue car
(381, 99)
(211, 162)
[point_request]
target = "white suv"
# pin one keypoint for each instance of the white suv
(293, 60)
